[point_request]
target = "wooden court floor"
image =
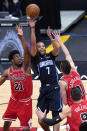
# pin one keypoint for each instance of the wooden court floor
(5, 95)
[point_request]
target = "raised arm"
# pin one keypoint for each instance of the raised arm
(55, 47)
(32, 37)
(63, 86)
(66, 51)
(3, 77)
(26, 50)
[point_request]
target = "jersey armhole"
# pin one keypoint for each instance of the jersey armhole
(26, 73)
(66, 82)
(8, 71)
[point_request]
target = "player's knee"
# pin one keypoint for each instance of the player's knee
(7, 124)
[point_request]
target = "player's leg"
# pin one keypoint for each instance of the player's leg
(9, 115)
(56, 127)
(6, 126)
(68, 123)
(55, 104)
(25, 115)
(45, 127)
(42, 104)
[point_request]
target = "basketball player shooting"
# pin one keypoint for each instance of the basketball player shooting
(49, 92)
(20, 103)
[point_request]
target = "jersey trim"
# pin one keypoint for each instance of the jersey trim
(12, 70)
(21, 100)
(8, 119)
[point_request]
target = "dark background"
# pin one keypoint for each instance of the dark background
(73, 5)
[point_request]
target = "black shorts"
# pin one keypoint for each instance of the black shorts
(50, 98)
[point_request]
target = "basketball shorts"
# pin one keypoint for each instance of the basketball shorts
(68, 124)
(50, 98)
(21, 110)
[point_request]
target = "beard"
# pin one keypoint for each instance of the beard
(19, 65)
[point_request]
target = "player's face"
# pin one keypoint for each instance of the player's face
(17, 60)
(41, 48)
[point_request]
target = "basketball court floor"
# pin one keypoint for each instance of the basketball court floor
(4, 98)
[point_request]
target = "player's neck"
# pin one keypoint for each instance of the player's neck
(67, 74)
(16, 67)
(78, 101)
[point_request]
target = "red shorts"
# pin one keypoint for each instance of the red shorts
(68, 124)
(21, 110)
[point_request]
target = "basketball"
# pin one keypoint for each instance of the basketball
(32, 10)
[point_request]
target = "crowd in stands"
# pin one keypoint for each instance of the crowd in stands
(16, 8)
(11, 6)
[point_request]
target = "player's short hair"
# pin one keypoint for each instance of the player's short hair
(83, 126)
(12, 53)
(65, 66)
(76, 93)
(40, 42)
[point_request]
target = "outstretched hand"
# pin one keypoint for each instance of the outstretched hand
(48, 31)
(19, 30)
(40, 114)
(56, 36)
(50, 34)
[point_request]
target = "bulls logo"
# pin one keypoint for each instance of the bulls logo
(84, 116)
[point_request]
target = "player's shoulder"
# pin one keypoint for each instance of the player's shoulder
(74, 72)
(84, 101)
(6, 72)
(65, 77)
(63, 82)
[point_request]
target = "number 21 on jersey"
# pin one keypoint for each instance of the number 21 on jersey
(18, 86)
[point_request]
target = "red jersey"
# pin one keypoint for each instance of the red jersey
(21, 84)
(73, 80)
(78, 115)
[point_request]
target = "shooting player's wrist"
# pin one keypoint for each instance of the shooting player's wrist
(53, 121)
(32, 27)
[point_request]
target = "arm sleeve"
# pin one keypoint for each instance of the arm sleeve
(53, 121)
